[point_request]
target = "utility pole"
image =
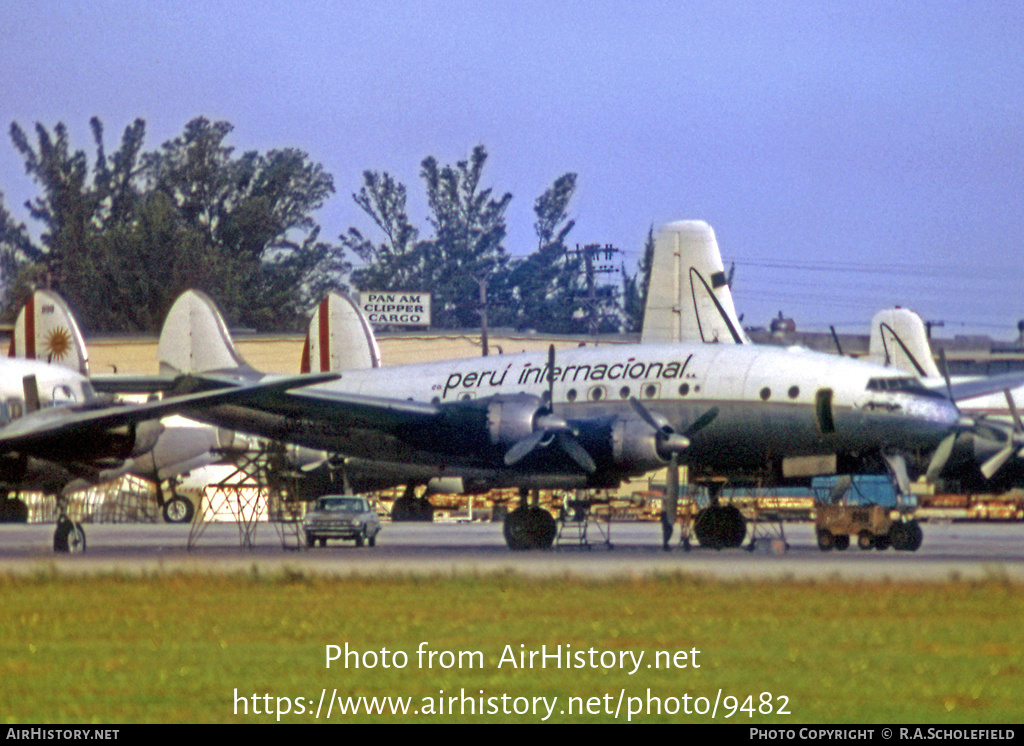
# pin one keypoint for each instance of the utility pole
(482, 280)
(597, 260)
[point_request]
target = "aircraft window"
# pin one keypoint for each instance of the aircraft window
(651, 390)
(62, 395)
(766, 394)
(624, 392)
(15, 408)
(597, 393)
(571, 395)
(908, 385)
(684, 389)
(794, 392)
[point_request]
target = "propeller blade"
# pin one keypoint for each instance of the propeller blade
(577, 452)
(994, 464)
(940, 457)
(524, 447)
(1018, 427)
(645, 414)
(701, 422)
(945, 373)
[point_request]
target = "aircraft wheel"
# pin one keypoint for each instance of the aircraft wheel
(412, 509)
(720, 527)
(359, 540)
(841, 542)
(865, 540)
(179, 510)
(827, 540)
(882, 542)
(372, 541)
(69, 537)
(530, 528)
(310, 540)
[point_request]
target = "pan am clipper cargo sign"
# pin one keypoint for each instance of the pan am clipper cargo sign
(400, 309)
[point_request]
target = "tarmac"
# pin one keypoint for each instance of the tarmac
(950, 551)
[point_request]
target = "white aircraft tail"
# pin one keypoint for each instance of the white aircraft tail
(339, 338)
(195, 338)
(46, 330)
(688, 298)
(899, 339)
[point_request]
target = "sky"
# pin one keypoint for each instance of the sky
(850, 156)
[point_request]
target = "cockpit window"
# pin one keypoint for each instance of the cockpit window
(906, 385)
(62, 394)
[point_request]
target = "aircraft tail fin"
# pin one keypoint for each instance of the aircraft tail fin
(46, 330)
(688, 297)
(899, 339)
(195, 339)
(339, 338)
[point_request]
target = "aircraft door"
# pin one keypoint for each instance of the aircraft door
(823, 411)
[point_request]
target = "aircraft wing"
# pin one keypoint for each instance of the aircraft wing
(985, 386)
(60, 427)
(345, 409)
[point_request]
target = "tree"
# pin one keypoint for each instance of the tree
(469, 227)
(122, 242)
(634, 287)
(392, 263)
(16, 254)
(546, 284)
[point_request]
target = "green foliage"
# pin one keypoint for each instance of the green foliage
(171, 647)
(120, 243)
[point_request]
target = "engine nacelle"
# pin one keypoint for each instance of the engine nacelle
(512, 418)
(634, 445)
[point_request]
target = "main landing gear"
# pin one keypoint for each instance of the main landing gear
(69, 538)
(411, 508)
(529, 526)
(718, 526)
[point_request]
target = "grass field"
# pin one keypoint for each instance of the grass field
(181, 648)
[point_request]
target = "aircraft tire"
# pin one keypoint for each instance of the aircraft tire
(842, 542)
(882, 542)
(412, 509)
(529, 528)
(69, 537)
(372, 541)
(720, 527)
(179, 510)
(865, 540)
(359, 540)
(826, 540)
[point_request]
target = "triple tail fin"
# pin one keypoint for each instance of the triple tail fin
(899, 339)
(688, 296)
(46, 330)
(339, 338)
(195, 339)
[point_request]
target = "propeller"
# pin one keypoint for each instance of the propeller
(1014, 438)
(1014, 435)
(673, 443)
(550, 428)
